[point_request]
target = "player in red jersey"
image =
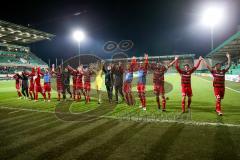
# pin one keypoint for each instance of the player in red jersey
(31, 86)
(47, 75)
(79, 81)
(186, 81)
(74, 79)
(127, 84)
(59, 81)
(141, 69)
(87, 73)
(219, 81)
(37, 84)
(158, 80)
(18, 84)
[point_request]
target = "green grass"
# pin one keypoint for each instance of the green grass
(75, 130)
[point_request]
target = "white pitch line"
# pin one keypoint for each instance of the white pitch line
(225, 87)
(14, 111)
(149, 120)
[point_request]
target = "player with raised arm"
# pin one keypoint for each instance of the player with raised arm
(87, 73)
(97, 69)
(37, 84)
(31, 85)
(108, 80)
(79, 80)
(47, 75)
(158, 81)
(219, 81)
(142, 69)
(18, 84)
(59, 81)
(127, 84)
(118, 71)
(186, 81)
(66, 83)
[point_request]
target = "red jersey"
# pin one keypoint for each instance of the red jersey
(219, 78)
(17, 79)
(87, 76)
(37, 80)
(59, 78)
(186, 75)
(158, 73)
(77, 75)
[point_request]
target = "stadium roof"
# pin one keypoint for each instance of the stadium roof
(17, 34)
(231, 45)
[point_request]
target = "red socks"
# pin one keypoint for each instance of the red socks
(189, 103)
(183, 105)
(158, 101)
(49, 95)
(19, 94)
(36, 96)
(218, 105)
(164, 103)
(127, 99)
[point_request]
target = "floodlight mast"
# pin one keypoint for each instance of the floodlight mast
(211, 17)
(79, 36)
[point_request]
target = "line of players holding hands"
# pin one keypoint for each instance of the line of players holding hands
(114, 73)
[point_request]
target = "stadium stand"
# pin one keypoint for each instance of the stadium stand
(218, 55)
(14, 54)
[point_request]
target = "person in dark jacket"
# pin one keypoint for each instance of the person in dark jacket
(66, 83)
(24, 79)
(118, 71)
(107, 69)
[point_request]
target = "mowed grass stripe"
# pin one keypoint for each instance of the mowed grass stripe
(22, 121)
(96, 140)
(139, 144)
(25, 125)
(23, 145)
(20, 115)
(110, 145)
(51, 148)
(34, 129)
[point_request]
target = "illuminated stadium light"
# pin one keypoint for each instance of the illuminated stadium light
(211, 17)
(78, 35)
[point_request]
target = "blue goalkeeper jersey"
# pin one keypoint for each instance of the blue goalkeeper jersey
(47, 78)
(141, 74)
(129, 77)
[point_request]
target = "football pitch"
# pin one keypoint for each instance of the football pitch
(75, 130)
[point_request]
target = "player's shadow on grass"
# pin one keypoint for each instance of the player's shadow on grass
(224, 145)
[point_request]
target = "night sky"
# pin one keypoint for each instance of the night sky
(158, 27)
